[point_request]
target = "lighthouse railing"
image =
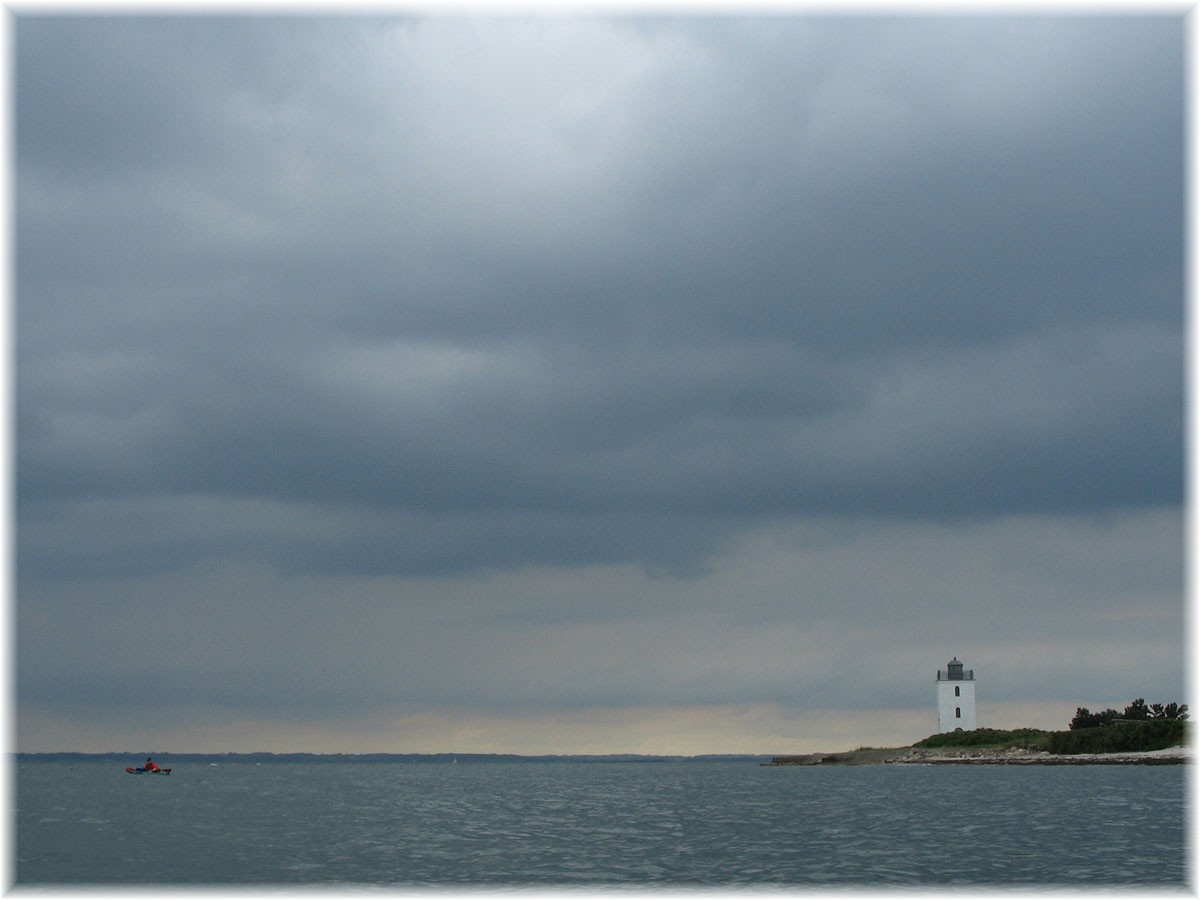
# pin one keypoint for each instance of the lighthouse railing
(967, 675)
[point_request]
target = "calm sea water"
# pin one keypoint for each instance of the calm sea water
(548, 824)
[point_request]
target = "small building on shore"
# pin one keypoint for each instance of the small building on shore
(956, 697)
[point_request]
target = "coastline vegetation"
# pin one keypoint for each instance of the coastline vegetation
(991, 738)
(1140, 728)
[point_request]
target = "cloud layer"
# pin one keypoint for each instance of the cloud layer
(333, 315)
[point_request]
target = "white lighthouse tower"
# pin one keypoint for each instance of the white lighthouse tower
(956, 697)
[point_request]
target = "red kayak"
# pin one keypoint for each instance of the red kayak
(142, 770)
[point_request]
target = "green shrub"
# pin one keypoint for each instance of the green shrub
(985, 737)
(1119, 737)
(1085, 718)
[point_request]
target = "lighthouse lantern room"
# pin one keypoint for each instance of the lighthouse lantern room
(955, 697)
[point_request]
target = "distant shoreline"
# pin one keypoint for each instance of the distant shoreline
(238, 758)
(983, 757)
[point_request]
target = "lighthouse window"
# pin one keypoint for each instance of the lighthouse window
(956, 690)
(958, 712)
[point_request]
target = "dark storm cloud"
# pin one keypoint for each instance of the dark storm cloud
(427, 296)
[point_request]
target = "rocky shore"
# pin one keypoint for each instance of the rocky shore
(1011, 756)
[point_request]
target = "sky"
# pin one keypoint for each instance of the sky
(670, 384)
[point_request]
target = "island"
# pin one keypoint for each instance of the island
(1143, 734)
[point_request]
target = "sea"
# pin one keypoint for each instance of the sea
(457, 822)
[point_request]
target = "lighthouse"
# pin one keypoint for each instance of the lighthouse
(955, 697)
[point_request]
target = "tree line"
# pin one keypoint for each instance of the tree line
(1140, 727)
(1137, 711)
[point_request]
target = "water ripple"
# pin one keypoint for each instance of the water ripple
(686, 823)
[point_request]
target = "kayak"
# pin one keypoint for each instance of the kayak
(142, 770)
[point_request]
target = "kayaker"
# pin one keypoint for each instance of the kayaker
(151, 765)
